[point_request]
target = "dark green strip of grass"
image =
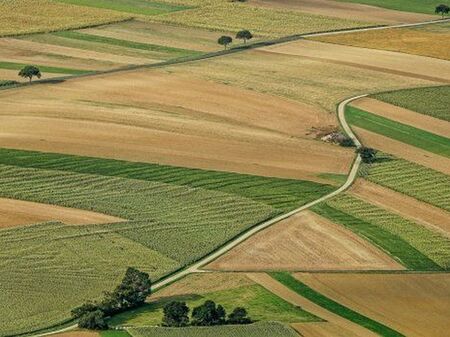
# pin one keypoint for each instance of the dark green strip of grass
(142, 7)
(417, 6)
(126, 44)
(282, 194)
(7, 83)
(327, 303)
(114, 333)
(404, 133)
(44, 69)
(409, 256)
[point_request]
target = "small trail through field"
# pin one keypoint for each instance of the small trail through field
(196, 267)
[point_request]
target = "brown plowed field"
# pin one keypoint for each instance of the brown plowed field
(351, 329)
(345, 10)
(417, 305)
(305, 241)
(405, 116)
(403, 150)
(379, 60)
(410, 208)
(322, 329)
(16, 213)
(160, 117)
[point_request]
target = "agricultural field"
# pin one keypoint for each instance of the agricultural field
(187, 208)
(305, 241)
(397, 300)
(259, 329)
(422, 40)
(418, 6)
(228, 289)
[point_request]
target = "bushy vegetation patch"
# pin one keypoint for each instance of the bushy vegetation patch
(404, 133)
(431, 101)
(254, 330)
(142, 7)
(339, 309)
(7, 83)
(411, 179)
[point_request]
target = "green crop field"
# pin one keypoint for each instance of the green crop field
(404, 133)
(433, 245)
(142, 7)
(339, 309)
(428, 101)
(261, 305)
(254, 330)
(418, 6)
(411, 179)
(44, 69)
(114, 333)
(174, 215)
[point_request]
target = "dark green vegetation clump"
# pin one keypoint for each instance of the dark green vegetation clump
(327, 303)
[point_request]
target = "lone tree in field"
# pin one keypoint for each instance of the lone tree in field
(208, 314)
(225, 41)
(442, 9)
(244, 35)
(368, 155)
(176, 314)
(30, 72)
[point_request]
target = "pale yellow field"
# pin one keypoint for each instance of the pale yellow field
(17, 18)
(416, 305)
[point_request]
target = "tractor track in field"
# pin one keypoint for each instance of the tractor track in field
(196, 267)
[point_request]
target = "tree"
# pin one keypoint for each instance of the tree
(244, 35)
(442, 9)
(84, 309)
(29, 72)
(225, 41)
(94, 320)
(368, 155)
(175, 314)
(239, 316)
(208, 314)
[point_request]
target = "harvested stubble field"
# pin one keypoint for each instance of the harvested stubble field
(318, 81)
(417, 181)
(175, 216)
(229, 289)
(345, 10)
(157, 116)
(47, 15)
(305, 241)
(254, 330)
(428, 101)
(419, 41)
(416, 305)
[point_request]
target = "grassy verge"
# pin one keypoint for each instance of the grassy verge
(393, 244)
(178, 52)
(114, 333)
(417, 6)
(45, 69)
(142, 7)
(431, 101)
(417, 181)
(327, 303)
(404, 133)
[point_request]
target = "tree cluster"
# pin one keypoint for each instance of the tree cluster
(176, 314)
(130, 293)
(368, 155)
(241, 35)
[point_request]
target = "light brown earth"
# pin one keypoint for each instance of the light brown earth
(305, 241)
(410, 208)
(17, 213)
(402, 150)
(22, 51)
(405, 116)
(344, 10)
(379, 60)
(153, 116)
(348, 328)
(321, 329)
(418, 41)
(417, 305)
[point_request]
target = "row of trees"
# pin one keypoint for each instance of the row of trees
(130, 293)
(241, 35)
(176, 314)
